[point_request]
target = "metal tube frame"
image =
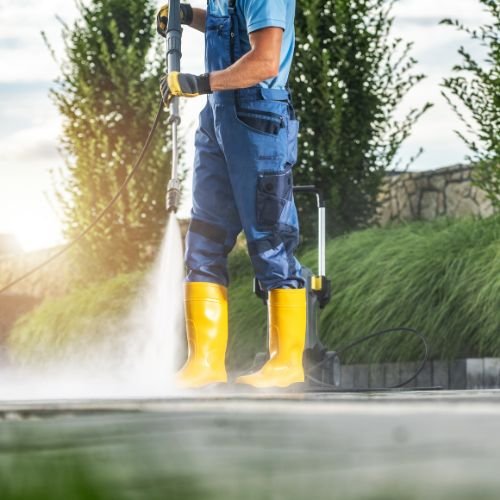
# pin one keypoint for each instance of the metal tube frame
(321, 224)
(321, 241)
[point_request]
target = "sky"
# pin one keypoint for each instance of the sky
(30, 126)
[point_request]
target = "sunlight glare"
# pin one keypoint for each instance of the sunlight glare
(38, 230)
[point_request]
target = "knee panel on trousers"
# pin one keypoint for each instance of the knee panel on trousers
(273, 261)
(207, 248)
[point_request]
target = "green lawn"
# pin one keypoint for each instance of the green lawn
(441, 277)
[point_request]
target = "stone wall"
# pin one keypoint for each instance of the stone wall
(426, 195)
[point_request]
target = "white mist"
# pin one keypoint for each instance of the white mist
(163, 316)
(138, 358)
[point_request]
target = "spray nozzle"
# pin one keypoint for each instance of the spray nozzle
(173, 196)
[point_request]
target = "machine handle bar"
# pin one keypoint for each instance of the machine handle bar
(321, 224)
(312, 190)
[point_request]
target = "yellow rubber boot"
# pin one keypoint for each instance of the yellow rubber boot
(207, 332)
(287, 337)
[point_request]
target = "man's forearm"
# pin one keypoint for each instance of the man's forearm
(248, 71)
(199, 19)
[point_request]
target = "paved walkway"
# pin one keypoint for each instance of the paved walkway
(385, 446)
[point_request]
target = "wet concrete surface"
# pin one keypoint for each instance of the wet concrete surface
(418, 445)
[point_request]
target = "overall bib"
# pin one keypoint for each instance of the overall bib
(246, 146)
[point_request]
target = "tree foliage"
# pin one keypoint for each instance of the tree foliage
(477, 87)
(108, 96)
(350, 76)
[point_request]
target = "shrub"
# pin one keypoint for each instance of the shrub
(441, 278)
(349, 77)
(477, 88)
(108, 94)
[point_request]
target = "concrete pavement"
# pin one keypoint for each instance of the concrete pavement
(422, 445)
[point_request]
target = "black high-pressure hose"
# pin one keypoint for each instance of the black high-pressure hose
(338, 354)
(98, 219)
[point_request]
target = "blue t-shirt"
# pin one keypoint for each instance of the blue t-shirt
(255, 15)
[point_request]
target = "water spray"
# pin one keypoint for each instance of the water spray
(173, 59)
(149, 351)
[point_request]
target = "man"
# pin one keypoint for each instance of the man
(246, 146)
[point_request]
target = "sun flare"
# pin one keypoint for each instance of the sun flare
(37, 231)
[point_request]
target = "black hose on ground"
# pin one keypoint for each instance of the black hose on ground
(328, 358)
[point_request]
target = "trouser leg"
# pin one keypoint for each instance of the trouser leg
(215, 221)
(212, 234)
(260, 171)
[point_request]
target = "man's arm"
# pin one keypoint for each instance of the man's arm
(260, 63)
(199, 19)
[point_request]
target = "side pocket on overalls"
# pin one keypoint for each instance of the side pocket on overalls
(274, 191)
(260, 121)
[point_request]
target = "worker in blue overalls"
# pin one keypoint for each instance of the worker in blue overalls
(246, 146)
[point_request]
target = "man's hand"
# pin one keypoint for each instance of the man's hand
(162, 17)
(184, 85)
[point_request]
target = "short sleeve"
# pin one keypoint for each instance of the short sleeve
(260, 14)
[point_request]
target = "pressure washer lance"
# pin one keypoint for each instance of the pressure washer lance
(173, 60)
(174, 35)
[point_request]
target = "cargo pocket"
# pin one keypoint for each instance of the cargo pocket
(274, 191)
(264, 122)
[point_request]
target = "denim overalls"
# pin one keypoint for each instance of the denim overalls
(246, 146)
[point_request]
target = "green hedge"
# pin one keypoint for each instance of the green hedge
(63, 327)
(441, 277)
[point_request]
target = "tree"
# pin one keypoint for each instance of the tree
(108, 95)
(350, 76)
(477, 88)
